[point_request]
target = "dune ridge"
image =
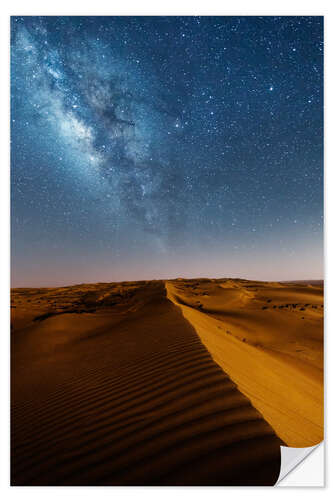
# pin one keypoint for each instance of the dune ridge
(268, 337)
(111, 385)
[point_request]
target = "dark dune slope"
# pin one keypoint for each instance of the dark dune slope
(112, 386)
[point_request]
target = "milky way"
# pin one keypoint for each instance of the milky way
(156, 146)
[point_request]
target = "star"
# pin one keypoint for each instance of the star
(169, 132)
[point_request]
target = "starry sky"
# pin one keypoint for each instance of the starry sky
(159, 147)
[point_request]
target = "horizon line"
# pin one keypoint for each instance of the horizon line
(172, 279)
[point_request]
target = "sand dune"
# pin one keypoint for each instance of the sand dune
(111, 385)
(268, 337)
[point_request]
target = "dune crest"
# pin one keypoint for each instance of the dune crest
(268, 337)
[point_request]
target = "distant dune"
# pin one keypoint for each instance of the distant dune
(307, 282)
(188, 382)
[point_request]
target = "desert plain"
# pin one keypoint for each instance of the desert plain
(179, 382)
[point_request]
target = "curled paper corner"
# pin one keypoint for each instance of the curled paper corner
(291, 458)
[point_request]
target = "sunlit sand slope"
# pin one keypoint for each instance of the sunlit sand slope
(112, 386)
(268, 337)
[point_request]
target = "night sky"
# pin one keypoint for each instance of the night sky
(160, 147)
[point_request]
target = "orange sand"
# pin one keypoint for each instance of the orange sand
(111, 385)
(268, 337)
